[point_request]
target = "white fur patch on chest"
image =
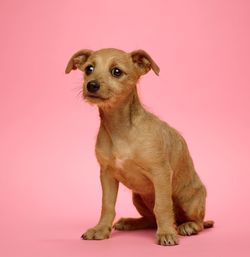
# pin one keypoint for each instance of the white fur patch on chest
(119, 163)
(121, 152)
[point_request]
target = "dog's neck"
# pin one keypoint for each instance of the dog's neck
(120, 118)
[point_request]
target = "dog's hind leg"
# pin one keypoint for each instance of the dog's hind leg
(192, 215)
(145, 222)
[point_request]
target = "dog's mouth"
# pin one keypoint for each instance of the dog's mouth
(96, 97)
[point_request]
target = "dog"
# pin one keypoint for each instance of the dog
(138, 149)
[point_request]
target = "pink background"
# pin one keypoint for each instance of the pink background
(49, 178)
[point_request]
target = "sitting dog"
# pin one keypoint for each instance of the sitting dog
(138, 149)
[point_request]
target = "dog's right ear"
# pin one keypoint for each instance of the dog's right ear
(77, 60)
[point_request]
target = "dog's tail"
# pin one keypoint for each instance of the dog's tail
(208, 224)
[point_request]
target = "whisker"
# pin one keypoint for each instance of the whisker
(80, 93)
(77, 88)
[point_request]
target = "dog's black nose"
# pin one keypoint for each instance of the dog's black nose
(93, 86)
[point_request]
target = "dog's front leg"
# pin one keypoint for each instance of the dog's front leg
(166, 233)
(109, 194)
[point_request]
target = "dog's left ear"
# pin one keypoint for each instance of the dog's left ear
(144, 62)
(77, 60)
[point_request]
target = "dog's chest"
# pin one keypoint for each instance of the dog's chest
(120, 160)
(121, 152)
(119, 163)
(130, 174)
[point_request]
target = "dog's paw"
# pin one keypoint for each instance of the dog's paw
(167, 239)
(97, 233)
(121, 225)
(188, 228)
(134, 223)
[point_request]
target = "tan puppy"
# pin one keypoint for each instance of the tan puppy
(138, 149)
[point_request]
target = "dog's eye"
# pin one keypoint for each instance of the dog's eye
(89, 69)
(116, 72)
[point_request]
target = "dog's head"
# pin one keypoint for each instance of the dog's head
(110, 74)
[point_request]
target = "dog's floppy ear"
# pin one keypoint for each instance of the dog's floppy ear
(78, 59)
(144, 62)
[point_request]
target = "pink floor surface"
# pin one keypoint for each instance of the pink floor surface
(62, 238)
